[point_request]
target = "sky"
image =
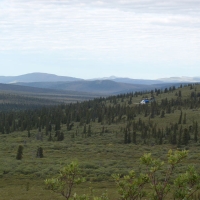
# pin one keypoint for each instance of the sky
(87, 39)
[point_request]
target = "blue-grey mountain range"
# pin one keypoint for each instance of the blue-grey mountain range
(105, 86)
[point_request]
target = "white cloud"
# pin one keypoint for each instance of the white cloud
(115, 29)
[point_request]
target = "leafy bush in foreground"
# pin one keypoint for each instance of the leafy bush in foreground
(156, 183)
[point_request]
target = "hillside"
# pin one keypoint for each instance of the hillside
(15, 97)
(105, 135)
(101, 87)
(98, 86)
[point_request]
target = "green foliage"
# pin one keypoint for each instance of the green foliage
(104, 196)
(149, 185)
(159, 185)
(65, 181)
(187, 184)
(130, 186)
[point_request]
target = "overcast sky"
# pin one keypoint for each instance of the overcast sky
(98, 38)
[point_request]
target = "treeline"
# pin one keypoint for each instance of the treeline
(119, 109)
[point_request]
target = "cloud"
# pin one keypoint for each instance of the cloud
(126, 29)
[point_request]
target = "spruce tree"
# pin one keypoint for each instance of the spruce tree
(186, 137)
(39, 152)
(129, 137)
(84, 130)
(89, 133)
(174, 141)
(19, 152)
(180, 118)
(162, 114)
(184, 118)
(29, 134)
(50, 137)
(134, 137)
(180, 136)
(125, 136)
(196, 132)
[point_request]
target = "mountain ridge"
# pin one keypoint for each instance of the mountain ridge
(36, 77)
(101, 86)
(47, 77)
(96, 86)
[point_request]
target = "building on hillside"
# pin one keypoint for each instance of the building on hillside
(146, 100)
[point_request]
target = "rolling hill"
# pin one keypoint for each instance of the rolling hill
(103, 87)
(36, 77)
(33, 96)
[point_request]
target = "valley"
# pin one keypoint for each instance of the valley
(105, 135)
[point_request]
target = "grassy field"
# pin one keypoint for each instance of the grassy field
(99, 156)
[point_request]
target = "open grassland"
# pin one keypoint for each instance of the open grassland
(100, 154)
(99, 157)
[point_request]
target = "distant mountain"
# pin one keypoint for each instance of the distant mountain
(36, 77)
(44, 77)
(183, 79)
(137, 81)
(180, 79)
(103, 87)
(131, 81)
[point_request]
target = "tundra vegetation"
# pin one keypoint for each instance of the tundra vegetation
(105, 136)
(150, 184)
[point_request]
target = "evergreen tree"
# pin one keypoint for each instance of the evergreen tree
(180, 136)
(129, 138)
(89, 133)
(174, 140)
(29, 134)
(134, 137)
(47, 129)
(196, 132)
(84, 130)
(186, 137)
(162, 114)
(39, 152)
(50, 127)
(19, 152)
(7, 128)
(103, 130)
(184, 118)
(59, 135)
(179, 94)
(125, 136)
(180, 118)
(50, 137)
